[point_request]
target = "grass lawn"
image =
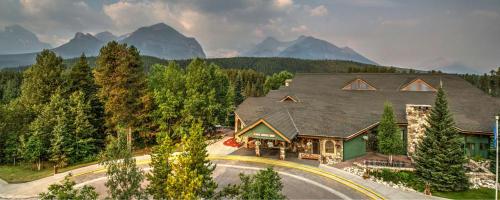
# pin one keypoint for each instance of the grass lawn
(24, 173)
(481, 193)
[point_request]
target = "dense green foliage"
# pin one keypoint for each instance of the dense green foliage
(10, 85)
(489, 83)
(408, 179)
(66, 191)
(274, 65)
(275, 81)
(266, 184)
(120, 76)
(439, 156)
(389, 135)
(247, 83)
(124, 177)
(202, 91)
(187, 175)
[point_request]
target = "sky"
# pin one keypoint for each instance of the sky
(405, 33)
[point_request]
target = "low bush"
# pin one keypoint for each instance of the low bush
(408, 179)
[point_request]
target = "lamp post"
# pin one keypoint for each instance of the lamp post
(496, 152)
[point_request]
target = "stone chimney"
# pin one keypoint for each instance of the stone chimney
(416, 116)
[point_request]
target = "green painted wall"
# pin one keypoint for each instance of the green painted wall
(354, 148)
(477, 145)
(262, 129)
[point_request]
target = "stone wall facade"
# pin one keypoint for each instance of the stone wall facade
(416, 116)
(329, 157)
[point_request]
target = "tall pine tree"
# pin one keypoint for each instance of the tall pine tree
(389, 136)
(161, 163)
(120, 76)
(192, 169)
(439, 156)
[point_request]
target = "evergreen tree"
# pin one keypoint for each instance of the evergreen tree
(120, 76)
(266, 184)
(124, 177)
(80, 78)
(192, 168)
(161, 163)
(61, 142)
(439, 156)
(66, 191)
(208, 95)
(238, 90)
(33, 150)
(41, 79)
(167, 84)
(389, 136)
(84, 145)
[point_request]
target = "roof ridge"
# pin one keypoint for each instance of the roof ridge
(293, 122)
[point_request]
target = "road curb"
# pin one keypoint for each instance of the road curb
(368, 192)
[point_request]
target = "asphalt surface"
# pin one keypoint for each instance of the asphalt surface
(296, 184)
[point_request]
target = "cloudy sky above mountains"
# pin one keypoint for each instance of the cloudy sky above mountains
(400, 33)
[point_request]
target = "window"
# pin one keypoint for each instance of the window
(329, 147)
(483, 146)
(470, 149)
(418, 85)
(358, 84)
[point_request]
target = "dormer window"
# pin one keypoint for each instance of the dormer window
(358, 84)
(418, 85)
(289, 99)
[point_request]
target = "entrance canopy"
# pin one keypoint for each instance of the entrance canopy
(277, 126)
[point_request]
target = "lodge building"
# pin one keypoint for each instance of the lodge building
(334, 117)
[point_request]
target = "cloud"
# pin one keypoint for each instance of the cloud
(283, 3)
(367, 3)
(300, 29)
(486, 14)
(223, 53)
(400, 22)
(319, 11)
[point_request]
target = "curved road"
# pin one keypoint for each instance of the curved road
(296, 184)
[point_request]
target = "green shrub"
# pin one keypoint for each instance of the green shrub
(408, 179)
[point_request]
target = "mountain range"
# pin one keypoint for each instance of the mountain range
(158, 40)
(16, 39)
(305, 47)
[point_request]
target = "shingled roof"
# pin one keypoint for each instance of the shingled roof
(325, 109)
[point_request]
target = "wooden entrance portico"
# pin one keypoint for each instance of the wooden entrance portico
(261, 134)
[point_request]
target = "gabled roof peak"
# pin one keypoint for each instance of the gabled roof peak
(358, 84)
(418, 85)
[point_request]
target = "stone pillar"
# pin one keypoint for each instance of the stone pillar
(282, 151)
(416, 116)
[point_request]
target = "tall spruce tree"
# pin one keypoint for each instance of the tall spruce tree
(439, 156)
(161, 163)
(389, 136)
(84, 144)
(192, 169)
(80, 78)
(238, 90)
(122, 85)
(124, 177)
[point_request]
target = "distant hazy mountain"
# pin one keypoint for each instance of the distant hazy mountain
(448, 66)
(161, 40)
(106, 36)
(81, 43)
(269, 47)
(305, 47)
(16, 39)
